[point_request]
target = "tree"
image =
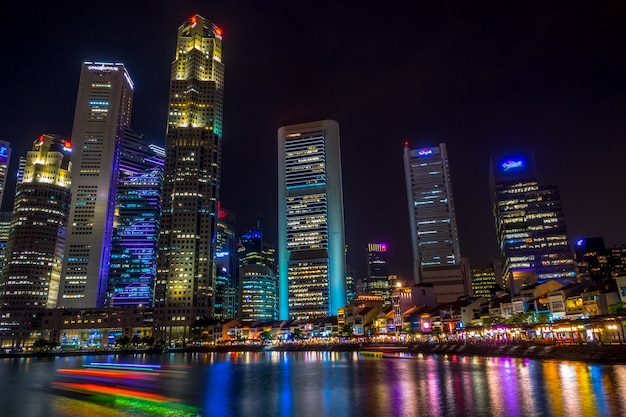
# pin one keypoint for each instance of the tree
(346, 330)
(617, 308)
(266, 336)
(297, 334)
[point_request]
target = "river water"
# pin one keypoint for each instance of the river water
(306, 384)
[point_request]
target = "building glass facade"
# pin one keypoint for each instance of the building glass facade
(185, 266)
(310, 221)
(530, 224)
(32, 272)
(132, 271)
(103, 111)
(432, 217)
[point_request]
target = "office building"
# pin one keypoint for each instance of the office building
(311, 242)
(5, 227)
(103, 110)
(5, 159)
(32, 271)
(225, 293)
(486, 279)
(377, 279)
(257, 277)
(597, 262)
(530, 224)
(132, 270)
(185, 265)
(432, 219)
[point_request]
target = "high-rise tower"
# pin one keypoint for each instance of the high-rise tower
(103, 108)
(185, 266)
(530, 223)
(377, 274)
(225, 289)
(5, 158)
(132, 271)
(432, 219)
(32, 271)
(311, 242)
(257, 277)
(431, 208)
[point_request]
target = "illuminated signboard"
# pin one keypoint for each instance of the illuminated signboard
(511, 164)
(4, 152)
(425, 152)
(580, 242)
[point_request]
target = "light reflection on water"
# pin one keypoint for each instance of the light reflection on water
(323, 384)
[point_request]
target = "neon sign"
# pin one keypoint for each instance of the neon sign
(4, 152)
(425, 152)
(507, 165)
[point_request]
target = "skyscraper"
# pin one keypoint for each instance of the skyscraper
(432, 218)
(103, 110)
(185, 266)
(530, 224)
(132, 271)
(311, 242)
(5, 158)
(225, 294)
(32, 272)
(377, 275)
(434, 235)
(257, 277)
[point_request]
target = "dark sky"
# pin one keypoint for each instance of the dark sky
(481, 76)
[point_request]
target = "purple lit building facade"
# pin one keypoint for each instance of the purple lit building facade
(103, 111)
(132, 270)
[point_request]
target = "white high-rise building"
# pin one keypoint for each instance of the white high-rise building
(311, 242)
(434, 235)
(103, 110)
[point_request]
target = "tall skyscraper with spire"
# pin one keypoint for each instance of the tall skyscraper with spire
(185, 266)
(311, 242)
(32, 273)
(103, 110)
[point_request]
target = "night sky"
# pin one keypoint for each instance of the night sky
(481, 76)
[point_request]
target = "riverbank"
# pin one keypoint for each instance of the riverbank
(593, 353)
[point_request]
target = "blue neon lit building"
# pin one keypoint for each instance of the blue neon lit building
(132, 268)
(530, 224)
(311, 242)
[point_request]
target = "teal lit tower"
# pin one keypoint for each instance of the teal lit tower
(185, 266)
(311, 242)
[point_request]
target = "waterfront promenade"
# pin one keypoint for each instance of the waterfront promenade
(594, 353)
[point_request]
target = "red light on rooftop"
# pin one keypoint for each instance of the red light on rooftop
(41, 139)
(194, 20)
(67, 144)
(218, 31)
(406, 144)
